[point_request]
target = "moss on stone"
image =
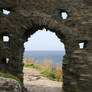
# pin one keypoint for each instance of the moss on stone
(7, 75)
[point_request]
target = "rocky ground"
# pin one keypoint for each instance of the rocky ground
(35, 82)
(9, 85)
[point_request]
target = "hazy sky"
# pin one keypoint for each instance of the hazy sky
(44, 40)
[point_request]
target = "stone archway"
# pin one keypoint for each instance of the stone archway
(32, 15)
(42, 55)
(28, 34)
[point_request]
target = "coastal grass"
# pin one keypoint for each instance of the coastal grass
(52, 73)
(7, 75)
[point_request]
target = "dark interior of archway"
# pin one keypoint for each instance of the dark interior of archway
(42, 64)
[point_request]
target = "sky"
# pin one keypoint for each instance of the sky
(44, 40)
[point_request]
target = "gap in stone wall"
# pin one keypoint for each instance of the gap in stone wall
(6, 12)
(36, 48)
(83, 44)
(64, 14)
(5, 38)
(5, 60)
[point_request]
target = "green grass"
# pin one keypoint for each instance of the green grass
(49, 73)
(7, 75)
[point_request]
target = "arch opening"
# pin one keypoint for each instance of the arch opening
(44, 49)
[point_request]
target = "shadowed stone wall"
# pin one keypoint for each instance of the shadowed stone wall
(27, 16)
(9, 85)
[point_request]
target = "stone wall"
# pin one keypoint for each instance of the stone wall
(27, 16)
(9, 85)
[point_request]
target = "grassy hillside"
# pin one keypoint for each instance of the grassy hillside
(46, 69)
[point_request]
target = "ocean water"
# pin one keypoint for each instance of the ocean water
(55, 56)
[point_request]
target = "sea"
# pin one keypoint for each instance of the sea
(55, 56)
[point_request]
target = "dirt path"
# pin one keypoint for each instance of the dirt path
(34, 82)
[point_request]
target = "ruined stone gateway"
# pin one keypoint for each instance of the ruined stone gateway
(27, 16)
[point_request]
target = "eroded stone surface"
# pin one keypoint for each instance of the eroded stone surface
(27, 16)
(9, 85)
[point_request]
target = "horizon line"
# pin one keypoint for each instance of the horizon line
(44, 50)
